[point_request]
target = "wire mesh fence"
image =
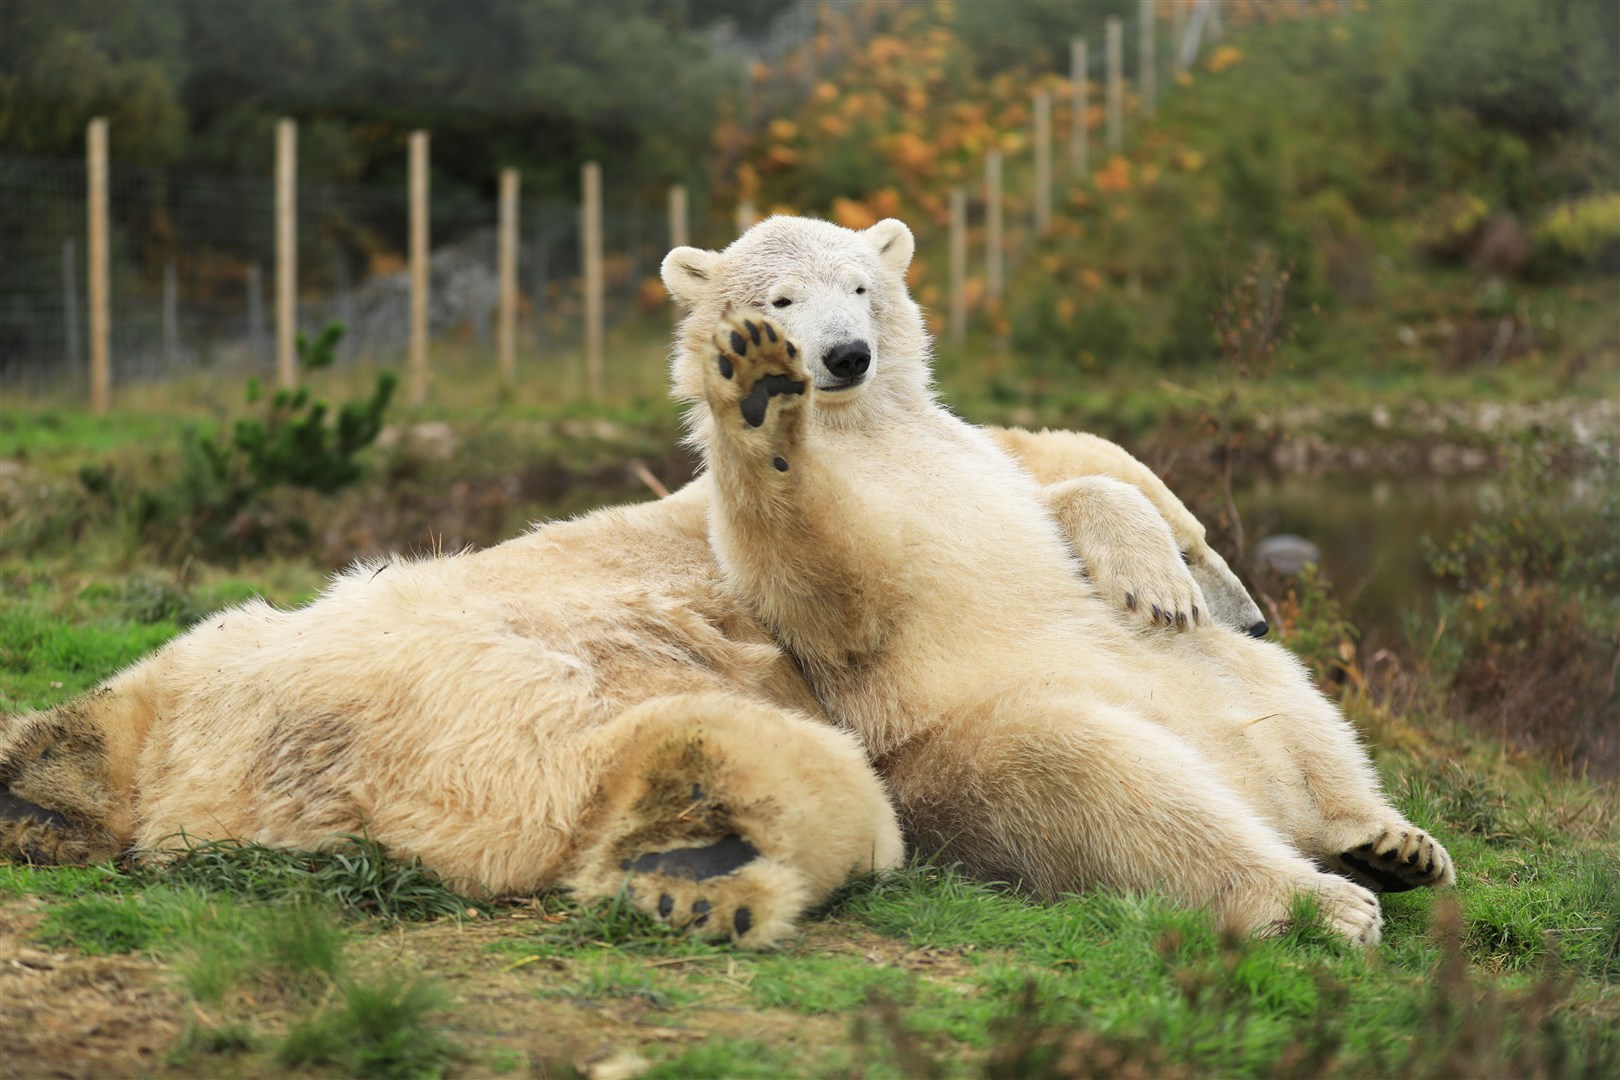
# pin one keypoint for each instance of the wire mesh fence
(192, 271)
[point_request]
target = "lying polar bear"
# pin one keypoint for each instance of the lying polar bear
(916, 574)
(579, 706)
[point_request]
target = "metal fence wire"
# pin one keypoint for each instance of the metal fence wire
(192, 271)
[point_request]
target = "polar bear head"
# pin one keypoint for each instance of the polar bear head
(839, 293)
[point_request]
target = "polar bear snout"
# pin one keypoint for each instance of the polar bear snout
(848, 363)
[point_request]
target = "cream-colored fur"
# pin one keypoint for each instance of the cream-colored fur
(547, 712)
(537, 714)
(913, 570)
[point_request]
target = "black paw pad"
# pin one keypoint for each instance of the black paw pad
(1382, 879)
(770, 331)
(697, 863)
(666, 905)
(725, 366)
(701, 909)
(14, 808)
(742, 921)
(793, 350)
(781, 464)
(739, 344)
(753, 331)
(753, 406)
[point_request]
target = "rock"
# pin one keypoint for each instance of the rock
(1287, 554)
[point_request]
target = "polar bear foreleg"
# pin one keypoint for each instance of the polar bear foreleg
(1057, 798)
(832, 599)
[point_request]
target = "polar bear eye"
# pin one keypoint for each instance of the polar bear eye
(781, 302)
(860, 290)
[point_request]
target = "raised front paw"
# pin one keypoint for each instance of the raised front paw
(757, 385)
(1169, 600)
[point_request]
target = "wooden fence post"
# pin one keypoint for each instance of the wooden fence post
(1147, 60)
(100, 317)
(591, 179)
(1116, 85)
(507, 258)
(958, 265)
(1080, 92)
(995, 253)
(286, 253)
(1043, 161)
(1178, 31)
(679, 230)
(419, 266)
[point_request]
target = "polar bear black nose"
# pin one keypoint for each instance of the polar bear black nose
(1259, 629)
(848, 362)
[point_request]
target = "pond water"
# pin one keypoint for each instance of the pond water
(1371, 529)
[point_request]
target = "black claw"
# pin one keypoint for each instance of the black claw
(701, 909)
(739, 344)
(1195, 614)
(725, 366)
(1130, 602)
(781, 464)
(666, 904)
(743, 920)
(753, 331)
(1157, 614)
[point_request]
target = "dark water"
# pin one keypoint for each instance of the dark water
(1371, 531)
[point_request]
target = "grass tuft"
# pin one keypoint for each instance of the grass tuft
(378, 1030)
(360, 877)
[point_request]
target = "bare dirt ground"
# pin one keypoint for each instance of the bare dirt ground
(512, 1013)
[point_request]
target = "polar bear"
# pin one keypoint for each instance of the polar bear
(914, 572)
(582, 706)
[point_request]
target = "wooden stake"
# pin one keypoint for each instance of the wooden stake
(1178, 33)
(419, 266)
(286, 253)
(1147, 60)
(592, 219)
(507, 258)
(100, 293)
(1116, 85)
(1080, 91)
(995, 254)
(679, 232)
(958, 265)
(1043, 161)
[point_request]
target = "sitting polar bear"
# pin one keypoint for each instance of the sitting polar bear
(580, 706)
(914, 572)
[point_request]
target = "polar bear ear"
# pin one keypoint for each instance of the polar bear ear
(894, 242)
(689, 273)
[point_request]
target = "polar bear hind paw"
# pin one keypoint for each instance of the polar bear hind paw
(1399, 858)
(757, 377)
(688, 853)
